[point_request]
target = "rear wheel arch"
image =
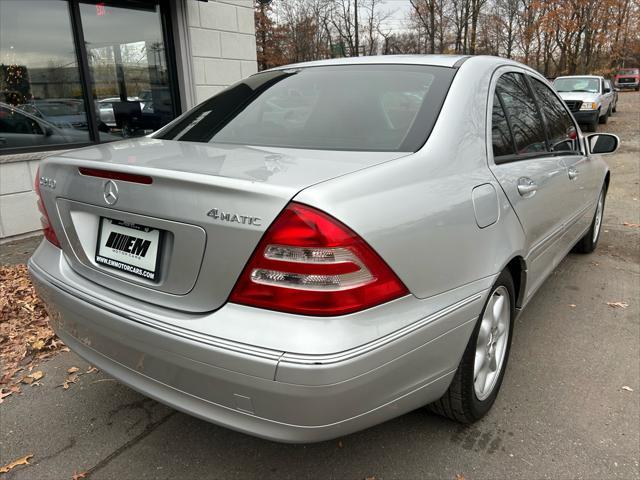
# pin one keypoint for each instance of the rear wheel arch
(518, 270)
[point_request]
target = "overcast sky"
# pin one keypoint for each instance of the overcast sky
(399, 10)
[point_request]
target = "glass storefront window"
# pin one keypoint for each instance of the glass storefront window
(128, 64)
(79, 71)
(41, 96)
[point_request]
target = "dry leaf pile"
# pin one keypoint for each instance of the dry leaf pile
(25, 335)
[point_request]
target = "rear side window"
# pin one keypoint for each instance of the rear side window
(560, 127)
(346, 107)
(500, 131)
(522, 114)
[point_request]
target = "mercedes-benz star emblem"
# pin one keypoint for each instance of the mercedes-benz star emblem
(110, 192)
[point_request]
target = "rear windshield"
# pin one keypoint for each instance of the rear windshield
(577, 84)
(361, 107)
(629, 71)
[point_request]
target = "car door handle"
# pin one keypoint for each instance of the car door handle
(526, 187)
(573, 173)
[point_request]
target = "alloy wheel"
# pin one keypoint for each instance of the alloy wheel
(492, 342)
(598, 219)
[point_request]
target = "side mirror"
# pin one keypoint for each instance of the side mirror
(603, 143)
(607, 90)
(48, 131)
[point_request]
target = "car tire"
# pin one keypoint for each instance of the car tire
(589, 241)
(605, 118)
(475, 385)
(592, 127)
(615, 108)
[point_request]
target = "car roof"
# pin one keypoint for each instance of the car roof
(579, 76)
(435, 60)
(450, 61)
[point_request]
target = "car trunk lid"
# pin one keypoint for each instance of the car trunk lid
(209, 204)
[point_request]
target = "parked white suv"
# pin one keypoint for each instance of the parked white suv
(588, 97)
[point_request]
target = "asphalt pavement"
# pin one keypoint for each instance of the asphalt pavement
(562, 412)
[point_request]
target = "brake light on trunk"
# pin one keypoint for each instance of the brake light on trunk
(310, 263)
(47, 229)
(111, 175)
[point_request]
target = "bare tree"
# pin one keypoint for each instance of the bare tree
(554, 36)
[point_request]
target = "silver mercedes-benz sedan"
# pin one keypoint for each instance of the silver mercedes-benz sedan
(322, 247)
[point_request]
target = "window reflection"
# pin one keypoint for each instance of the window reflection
(526, 124)
(560, 128)
(127, 60)
(500, 131)
(41, 100)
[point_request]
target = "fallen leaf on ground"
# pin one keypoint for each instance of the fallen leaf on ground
(73, 370)
(628, 224)
(25, 335)
(572, 305)
(11, 465)
(32, 377)
(459, 476)
(71, 378)
(79, 475)
(92, 370)
(618, 304)
(4, 394)
(627, 388)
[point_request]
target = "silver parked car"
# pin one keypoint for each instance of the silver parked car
(589, 97)
(325, 246)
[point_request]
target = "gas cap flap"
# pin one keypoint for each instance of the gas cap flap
(485, 204)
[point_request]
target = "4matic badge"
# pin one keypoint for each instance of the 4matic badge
(234, 217)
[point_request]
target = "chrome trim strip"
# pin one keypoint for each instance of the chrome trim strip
(302, 359)
(192, 335)
(558, 231)
(542, 244)
(245, 349)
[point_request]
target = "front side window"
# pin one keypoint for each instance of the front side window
(560, 127)
(522, 113)
(39, 74)
(362, 107)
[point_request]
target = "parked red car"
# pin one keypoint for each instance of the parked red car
(627, 78)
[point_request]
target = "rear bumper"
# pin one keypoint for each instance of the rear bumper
(264, 392)
(586, 116)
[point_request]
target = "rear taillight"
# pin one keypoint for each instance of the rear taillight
(47, 229)
(309, 263)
